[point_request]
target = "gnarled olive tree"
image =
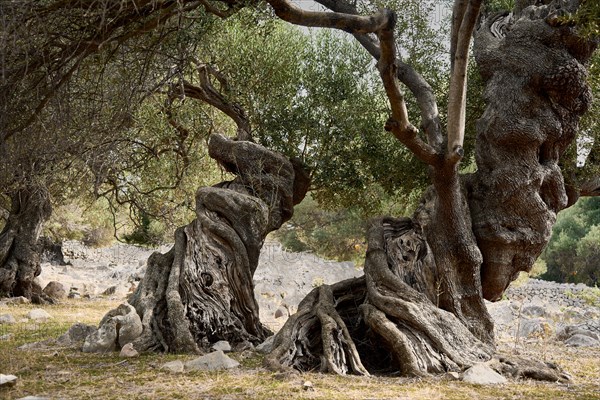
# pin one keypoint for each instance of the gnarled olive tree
(420, 306)
(202, 290)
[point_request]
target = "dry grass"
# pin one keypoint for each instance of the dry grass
(69, 374)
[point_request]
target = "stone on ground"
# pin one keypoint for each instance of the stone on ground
(76, 335)
(18, 300)
(7, 380)
(222, 345)
(482, 374)
(579, 340)
(7, 319)
(217, 360)
(128, 351)
(129, 322)
(38, 315)
(55, 290)
(173, 366)
(104, 340)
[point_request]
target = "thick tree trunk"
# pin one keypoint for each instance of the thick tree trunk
(19, 250)
(420, 307)
(536, 90)
(201, 291)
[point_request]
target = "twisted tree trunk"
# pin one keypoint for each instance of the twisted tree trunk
(19, 250)
(420, 307)
(201, 291)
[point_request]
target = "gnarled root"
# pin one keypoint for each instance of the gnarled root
(319, 335)
(524, 368)
(378, 324)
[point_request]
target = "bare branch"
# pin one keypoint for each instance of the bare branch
(457, 102)
(458, 13)
(399, 124)
(209, 94)
(430, 120)
(343, 21)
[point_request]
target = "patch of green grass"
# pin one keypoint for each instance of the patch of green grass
(71, 374)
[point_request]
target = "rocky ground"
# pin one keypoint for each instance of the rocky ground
(282, 278)
(532, 309)
(537, 319)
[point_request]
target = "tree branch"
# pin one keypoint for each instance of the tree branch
(430, 120)
(457, 102)
(207, 93)
(346, 22)
(398, 123)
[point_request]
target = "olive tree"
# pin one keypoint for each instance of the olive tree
(420, 306)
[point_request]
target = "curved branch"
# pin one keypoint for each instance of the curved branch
(209, 94)
(338, 20)
(399, 124)
(419, 87)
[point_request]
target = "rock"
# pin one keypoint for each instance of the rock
(110, 291)
(173, 366)
(579, 340)
(482, 374)
(452, 376)
(222, 345)
(33, 398)
(266, 346)
(533, 311)
(7, 380)
(308, 386)
(214, 361)
(7, 319)
(18, 300)
(243, 346)
(6, 337)
(76, 335)
(103, 340)
(570, 330)
(55, 290)
(531, 327)
(39, 315)
(129, 322)
(128, 351)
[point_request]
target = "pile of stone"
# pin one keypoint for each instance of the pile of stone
(559, 294)
(542, 310)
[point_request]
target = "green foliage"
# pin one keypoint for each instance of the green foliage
(149, 232)
(318, 97)
(334, 235)
(573, 253)
(92, 224)
(587, 18)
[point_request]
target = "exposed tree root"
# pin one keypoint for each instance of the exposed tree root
(421, 337)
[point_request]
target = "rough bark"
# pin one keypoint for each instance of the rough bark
(420, 307)
(201, 291)
(536, 90)
(19, 250)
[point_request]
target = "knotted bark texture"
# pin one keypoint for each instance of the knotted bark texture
(390, 321)
(19, 252)
(536, 90)
(201, 291)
